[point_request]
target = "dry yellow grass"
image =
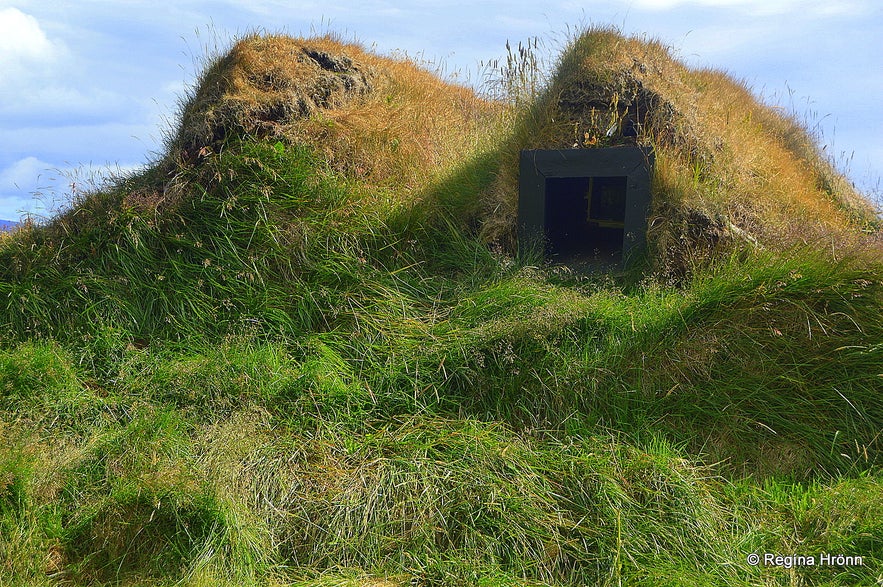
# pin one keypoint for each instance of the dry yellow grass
(385, 121)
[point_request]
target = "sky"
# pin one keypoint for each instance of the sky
(94, 85)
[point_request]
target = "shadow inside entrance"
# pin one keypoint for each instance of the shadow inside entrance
(584, 207)
(585, 220)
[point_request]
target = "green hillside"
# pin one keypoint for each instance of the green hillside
(300, 348)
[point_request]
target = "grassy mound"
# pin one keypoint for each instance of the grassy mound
(296, 350)
(727, 165)
(381, 120)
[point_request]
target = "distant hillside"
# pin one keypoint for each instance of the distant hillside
(8, 224)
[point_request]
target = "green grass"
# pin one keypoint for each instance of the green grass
(471, 421)
(286, 376)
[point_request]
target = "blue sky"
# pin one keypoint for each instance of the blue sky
(91, 85)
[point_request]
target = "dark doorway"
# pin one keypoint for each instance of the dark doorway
(585, 216)
(584, 206)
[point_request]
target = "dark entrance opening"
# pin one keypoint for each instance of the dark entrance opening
(585, 206)
(585, 216)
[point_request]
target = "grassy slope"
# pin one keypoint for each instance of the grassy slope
(303, 373)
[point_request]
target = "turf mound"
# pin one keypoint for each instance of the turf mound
(359, 109)
(727, 165)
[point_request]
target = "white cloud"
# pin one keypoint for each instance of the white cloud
(25, 50)
(22, 172)
(21, 37)
(34, 186)
(13, 207)
(17, 184)
(44, 83)
(33, 72)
